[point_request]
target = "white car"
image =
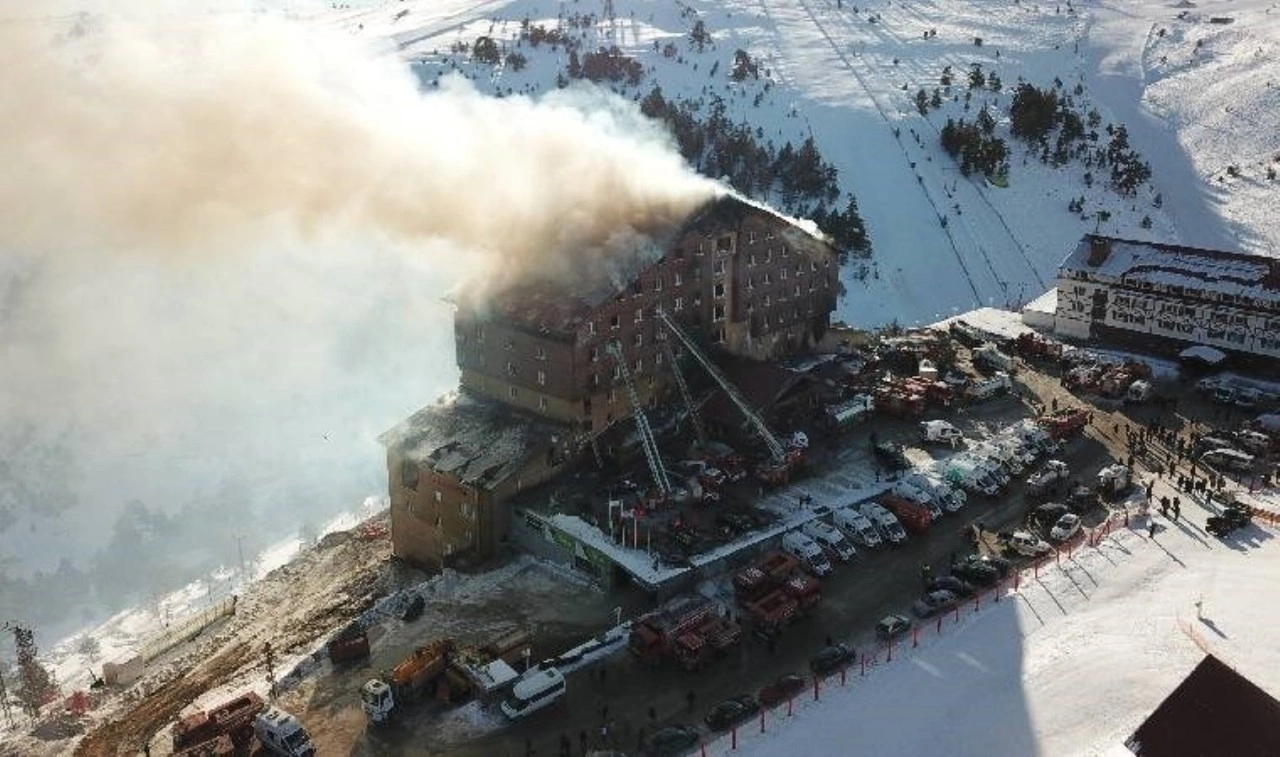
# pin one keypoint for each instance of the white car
(1025, 543)
(1065, 528)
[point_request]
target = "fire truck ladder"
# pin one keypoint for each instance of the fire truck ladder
(685, 393)
(771, 441)
(647, 441)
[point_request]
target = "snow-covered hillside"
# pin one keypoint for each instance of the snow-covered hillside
(846, 72)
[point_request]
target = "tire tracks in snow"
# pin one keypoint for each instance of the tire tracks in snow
(882, 30)
(897, 138)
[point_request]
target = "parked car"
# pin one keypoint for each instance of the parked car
(975, 572)
(1233, 516)
(1066, 527)
(783, 688)
(673, 740)
(1044, 516)
(832, 659)
(1027, 543)
(892, 626)
(730, 712)
(952, 584)
(933, 603)
(996, 562)
(891, 456)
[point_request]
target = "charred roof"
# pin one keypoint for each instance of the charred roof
(479, 442)
(560, 307)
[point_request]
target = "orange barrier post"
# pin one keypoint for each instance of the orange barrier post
(733, 739)
(761, 720)
(816, 687)
(939, 624)
(843, 676)
(915, 636)
(889, 655)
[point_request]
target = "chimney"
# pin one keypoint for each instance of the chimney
(1099, 250)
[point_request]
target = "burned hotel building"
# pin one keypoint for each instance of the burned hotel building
(540, 373)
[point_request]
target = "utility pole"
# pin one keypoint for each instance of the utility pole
(240, 549)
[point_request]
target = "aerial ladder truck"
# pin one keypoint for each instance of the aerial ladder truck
(645, 431)
(782, 460)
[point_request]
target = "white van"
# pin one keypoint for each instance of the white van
(920, 495)
(281, 733)
(940, 432)
(856, 526)
(808, 552)
(536, 689)
(888, 525)
(830, 539)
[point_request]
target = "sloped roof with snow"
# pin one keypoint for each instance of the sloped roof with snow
(478, 441)
(1256, 277)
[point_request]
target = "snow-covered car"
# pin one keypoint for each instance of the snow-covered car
(1026, 543)
(1066, 527)
(892, 626)
(933, 603)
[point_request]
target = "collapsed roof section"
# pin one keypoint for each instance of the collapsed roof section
(479, 442)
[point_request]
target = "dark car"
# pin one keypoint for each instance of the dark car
(784, 688)
(892, 626)
(832, 659)
(933, 603)
(1002, 565)
(891, 456)
(1233, 517)
(976, 573)
(730, 712)
(951, 584)
(673, 740)
(1047, 514)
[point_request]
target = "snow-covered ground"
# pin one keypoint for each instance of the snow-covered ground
(1068, 663)
(845, 73)
(126, 632)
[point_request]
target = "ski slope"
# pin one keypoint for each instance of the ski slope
(845, 73)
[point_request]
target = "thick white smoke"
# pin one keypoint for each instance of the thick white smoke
(225, 239)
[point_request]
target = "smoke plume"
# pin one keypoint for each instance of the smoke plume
(224, 241)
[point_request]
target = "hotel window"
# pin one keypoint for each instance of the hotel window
(511, 391)
(613, 322)
(718, 290)
(751, 237)
(657, 284)
(717, 313)
(542, 378)
(542, 403)
(679, 279)
(540, 353)
(679, 304)
(639, 314)
(511, 368)
(719, 267)
(638, 340)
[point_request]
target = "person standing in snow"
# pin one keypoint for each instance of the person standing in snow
(1151, 529)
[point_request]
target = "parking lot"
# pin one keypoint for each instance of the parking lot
(619, 693)
(624, 697)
